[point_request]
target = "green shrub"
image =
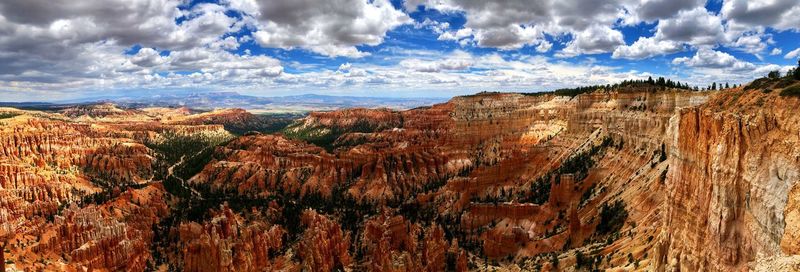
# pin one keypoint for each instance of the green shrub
(586, 195)
(194, 148)
(612, 217)
(760, 83)
(791, 91)
(264, 123)
(774, 74)
(784, 82)
(581, 260)
(172, 146)
(6, 115)
(660, 83)
(797, 71)
(319, 136)
(325, 136)
(539, 191)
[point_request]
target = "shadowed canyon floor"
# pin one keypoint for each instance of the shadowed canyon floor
(631, 177)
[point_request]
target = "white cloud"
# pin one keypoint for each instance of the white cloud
(344, 67)
(646, 47)
(455, 35)
(544, 46)
(652, 10)
(752, 44)
(708, 58)
(35, 25)
(510, 37)
(593, 40)
(147, 57)
(437, 27)
(210, 60)
(59, 45)
(458, 60)
(445, 73)
(50, 43)
(696, 27)
(743, 15)
(709, 65)
(330, 28)
(792, 54)
(513, 24)
(62, 46)
(228, 43)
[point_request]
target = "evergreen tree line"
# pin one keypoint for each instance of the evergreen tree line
(660, 82)
(793, 73)
(774, 79)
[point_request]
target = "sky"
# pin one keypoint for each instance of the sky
(53, 50)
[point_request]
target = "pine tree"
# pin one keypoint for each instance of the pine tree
(714, 86)
(661, 81)
(797, 71)
(726, 85)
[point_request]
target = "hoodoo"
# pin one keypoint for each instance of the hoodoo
(630, 176)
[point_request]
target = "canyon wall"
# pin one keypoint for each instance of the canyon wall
(631, 178)
(732, 185)
(77, 188)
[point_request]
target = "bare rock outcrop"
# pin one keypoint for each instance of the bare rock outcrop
(323, 245)
(733, 184)
(229, 242)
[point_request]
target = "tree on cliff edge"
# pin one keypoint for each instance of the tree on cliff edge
(797, 70)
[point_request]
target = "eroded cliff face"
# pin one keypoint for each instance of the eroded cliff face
(47, 165)
(512, 177)
(258, 165)
(323, 245)
(393, 243)
(632, 178)
(230, 242)
(78, 186)
(115, 235)
(733, 184)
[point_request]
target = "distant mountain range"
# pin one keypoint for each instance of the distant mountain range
(214, 100)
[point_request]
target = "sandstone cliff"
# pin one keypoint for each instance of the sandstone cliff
(732, 185)
(632, 177)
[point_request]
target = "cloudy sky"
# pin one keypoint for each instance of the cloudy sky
(64, 49)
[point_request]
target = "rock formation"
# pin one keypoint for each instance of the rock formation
(626, 177)
(229, 242)
(733, 183)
